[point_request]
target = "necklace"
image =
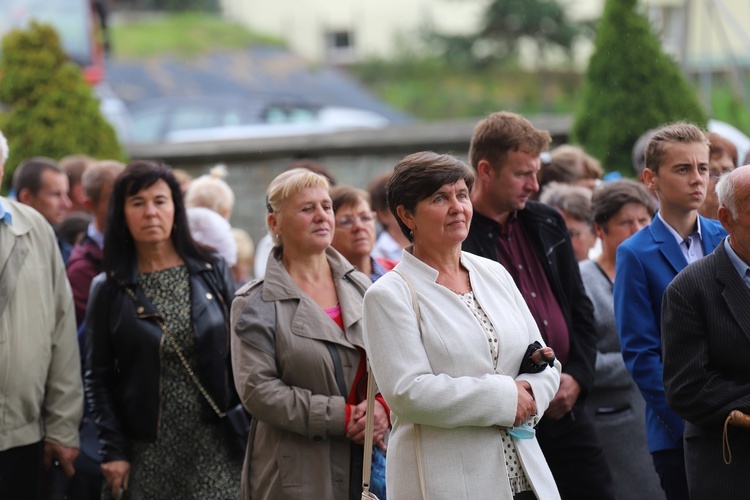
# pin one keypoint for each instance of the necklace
(468, 285)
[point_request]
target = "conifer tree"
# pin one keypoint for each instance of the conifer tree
(51, 111)
(631, 86)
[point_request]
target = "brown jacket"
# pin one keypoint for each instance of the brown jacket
(285, 377)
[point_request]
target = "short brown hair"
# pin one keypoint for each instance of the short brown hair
(28, 175)
(418, 176)
(503, 132)
(74, 166)
(719, 146)
(569, 164)
(679, 132)
(610, 197)
(99, 175)
(377, 192)
(344, 196)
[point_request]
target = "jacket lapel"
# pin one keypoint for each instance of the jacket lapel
(9, 273)
(14, 247)
(667, 245)
(735, 293)
(310, 320)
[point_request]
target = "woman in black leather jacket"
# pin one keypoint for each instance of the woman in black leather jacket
(158, 313)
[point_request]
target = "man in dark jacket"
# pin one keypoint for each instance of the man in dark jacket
(532, 242)
(84, 265)
(86, 260)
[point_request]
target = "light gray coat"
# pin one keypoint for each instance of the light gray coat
(41, 391)
(615, 402)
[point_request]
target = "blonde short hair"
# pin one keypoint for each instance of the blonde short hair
(211, 191)
(245, 245)
(286, 185)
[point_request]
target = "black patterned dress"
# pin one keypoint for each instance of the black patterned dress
(190, 458)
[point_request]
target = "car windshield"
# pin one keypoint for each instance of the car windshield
(71, 19)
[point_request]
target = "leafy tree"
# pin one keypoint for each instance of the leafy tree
(51, 110)
(631, 86)
(507, 22)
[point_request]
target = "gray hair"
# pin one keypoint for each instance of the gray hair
(575, 201)
(4, 151)
(725, 193)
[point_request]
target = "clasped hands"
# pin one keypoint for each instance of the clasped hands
(355, 430)
(526, 405)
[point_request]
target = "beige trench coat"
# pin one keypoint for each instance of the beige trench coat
(284, 375)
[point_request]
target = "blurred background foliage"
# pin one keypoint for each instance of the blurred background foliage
(433, 88)
(506, 24)
(49, 109)
(631, 86)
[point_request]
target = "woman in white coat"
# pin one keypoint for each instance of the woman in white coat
(452, 379)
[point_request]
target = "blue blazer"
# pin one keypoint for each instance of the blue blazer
(646, 263)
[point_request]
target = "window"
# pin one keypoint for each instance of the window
(340, 47)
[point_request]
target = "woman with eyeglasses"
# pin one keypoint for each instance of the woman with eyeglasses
(354, 237)
(298, 354)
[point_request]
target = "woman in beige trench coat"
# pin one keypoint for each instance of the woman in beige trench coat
(298, 354)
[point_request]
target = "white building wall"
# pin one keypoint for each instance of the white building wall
(378, 28)
(718, 30)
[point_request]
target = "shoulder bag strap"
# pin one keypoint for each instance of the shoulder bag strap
(369, 424)
(190, 371)
(338, 370)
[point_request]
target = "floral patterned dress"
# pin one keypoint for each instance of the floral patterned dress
(190, 458)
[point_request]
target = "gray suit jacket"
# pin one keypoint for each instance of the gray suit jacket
(706, 349)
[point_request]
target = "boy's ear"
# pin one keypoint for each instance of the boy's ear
(648, 178)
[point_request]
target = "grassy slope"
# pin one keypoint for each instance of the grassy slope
(185, 34)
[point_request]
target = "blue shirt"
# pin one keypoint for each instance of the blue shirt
(5, 215)
(740, 265)
(96, 235)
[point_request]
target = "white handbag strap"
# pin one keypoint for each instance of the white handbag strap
(417, 433)
(369, 424)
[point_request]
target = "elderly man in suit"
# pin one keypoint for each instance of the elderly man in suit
(677, 170)
(706, 341)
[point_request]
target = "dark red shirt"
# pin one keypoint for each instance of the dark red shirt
(516, 254)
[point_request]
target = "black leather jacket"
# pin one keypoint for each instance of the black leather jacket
(124, 347)
(549, 236)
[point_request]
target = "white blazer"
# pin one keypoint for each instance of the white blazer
(446, 381)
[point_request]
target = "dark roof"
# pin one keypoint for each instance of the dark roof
(264, 72)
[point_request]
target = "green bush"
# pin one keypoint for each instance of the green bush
(631, 86)
(51, 110)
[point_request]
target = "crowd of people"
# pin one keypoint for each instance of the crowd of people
(147, 351)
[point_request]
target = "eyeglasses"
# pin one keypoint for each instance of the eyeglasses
(347, 221)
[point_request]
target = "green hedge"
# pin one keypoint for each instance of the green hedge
(51, 111)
